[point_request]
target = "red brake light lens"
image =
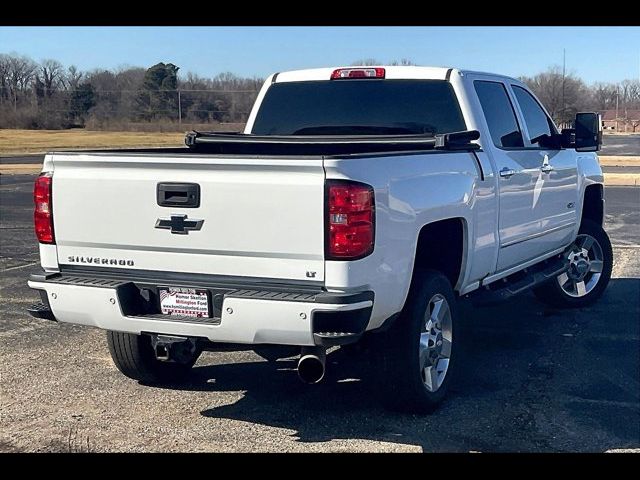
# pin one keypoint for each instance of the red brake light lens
(347, 73)
(351, 220)
(43, 213)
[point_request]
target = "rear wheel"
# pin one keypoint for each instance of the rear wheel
(417, 354)
(134, 356)
(590, 263)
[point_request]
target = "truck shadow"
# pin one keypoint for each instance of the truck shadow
(530, 378)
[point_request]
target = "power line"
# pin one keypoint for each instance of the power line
(564, 66)
(143, 111)
(180, 90)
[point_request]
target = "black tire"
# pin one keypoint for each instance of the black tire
(133, 355)
(552, 293)
(400, 373)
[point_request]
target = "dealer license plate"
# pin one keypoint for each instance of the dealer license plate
(185, 302)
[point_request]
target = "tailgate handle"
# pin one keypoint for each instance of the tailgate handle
(171, 194)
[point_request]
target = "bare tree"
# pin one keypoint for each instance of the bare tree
(366, 62)
(629, 93)
(404, 62)
(562, 95)
(4, 77)
(603, 96)
(20, 72)
(51, 72)
(73, 77)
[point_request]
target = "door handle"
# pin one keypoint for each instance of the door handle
(507, 172)
(546, 168)
(172, 194)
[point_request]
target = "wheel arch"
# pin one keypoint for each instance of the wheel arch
(593, 204)
(448, 238)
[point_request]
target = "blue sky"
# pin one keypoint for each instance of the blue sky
(594, 53)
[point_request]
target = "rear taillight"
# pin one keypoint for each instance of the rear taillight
(350, 220)
(346, 73)
(43, 214)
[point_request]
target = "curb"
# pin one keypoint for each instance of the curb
(20, 168)
(622, 179)
(619, 161)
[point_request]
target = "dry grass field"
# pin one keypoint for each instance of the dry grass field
(17, 142)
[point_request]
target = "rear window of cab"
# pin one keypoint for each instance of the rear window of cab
(359, 107)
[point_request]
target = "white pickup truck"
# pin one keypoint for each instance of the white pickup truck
(360, 204)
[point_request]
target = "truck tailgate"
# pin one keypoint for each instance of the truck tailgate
(262, 217)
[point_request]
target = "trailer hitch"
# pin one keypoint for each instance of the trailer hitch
(169, 348)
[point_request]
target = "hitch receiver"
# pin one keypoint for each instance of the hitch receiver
(169, 348)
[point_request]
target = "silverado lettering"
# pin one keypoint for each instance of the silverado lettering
(100, 261)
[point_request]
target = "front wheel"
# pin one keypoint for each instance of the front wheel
(418, 353)
(590, 261)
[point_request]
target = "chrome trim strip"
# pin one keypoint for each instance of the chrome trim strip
(537, 234)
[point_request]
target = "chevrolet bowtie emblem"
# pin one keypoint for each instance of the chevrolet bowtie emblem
(179, 224)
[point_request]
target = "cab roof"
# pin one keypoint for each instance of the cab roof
(410, 72)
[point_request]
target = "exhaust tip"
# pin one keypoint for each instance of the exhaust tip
(311, 369)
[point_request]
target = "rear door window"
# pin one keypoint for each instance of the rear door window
(538, 123)
(499, 113)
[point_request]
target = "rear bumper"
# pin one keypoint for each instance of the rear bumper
(241, 315)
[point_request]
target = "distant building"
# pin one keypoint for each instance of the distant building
(626, 121)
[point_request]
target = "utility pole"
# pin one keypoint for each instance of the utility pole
(564, 67)
(617, 98)
(179, 109)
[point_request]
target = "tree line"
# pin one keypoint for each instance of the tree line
(48, 95)
(564, 95)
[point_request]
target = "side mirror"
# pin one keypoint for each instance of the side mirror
(588, 128)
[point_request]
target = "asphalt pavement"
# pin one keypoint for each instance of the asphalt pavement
(620, 145)
(21, 159)
(531, 378)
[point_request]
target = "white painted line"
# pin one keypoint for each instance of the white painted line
(21, 266)
(620, 262)
(625, 337)
(30, 328)
(611, 403)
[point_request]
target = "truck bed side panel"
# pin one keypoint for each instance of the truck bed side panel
(412, 191)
